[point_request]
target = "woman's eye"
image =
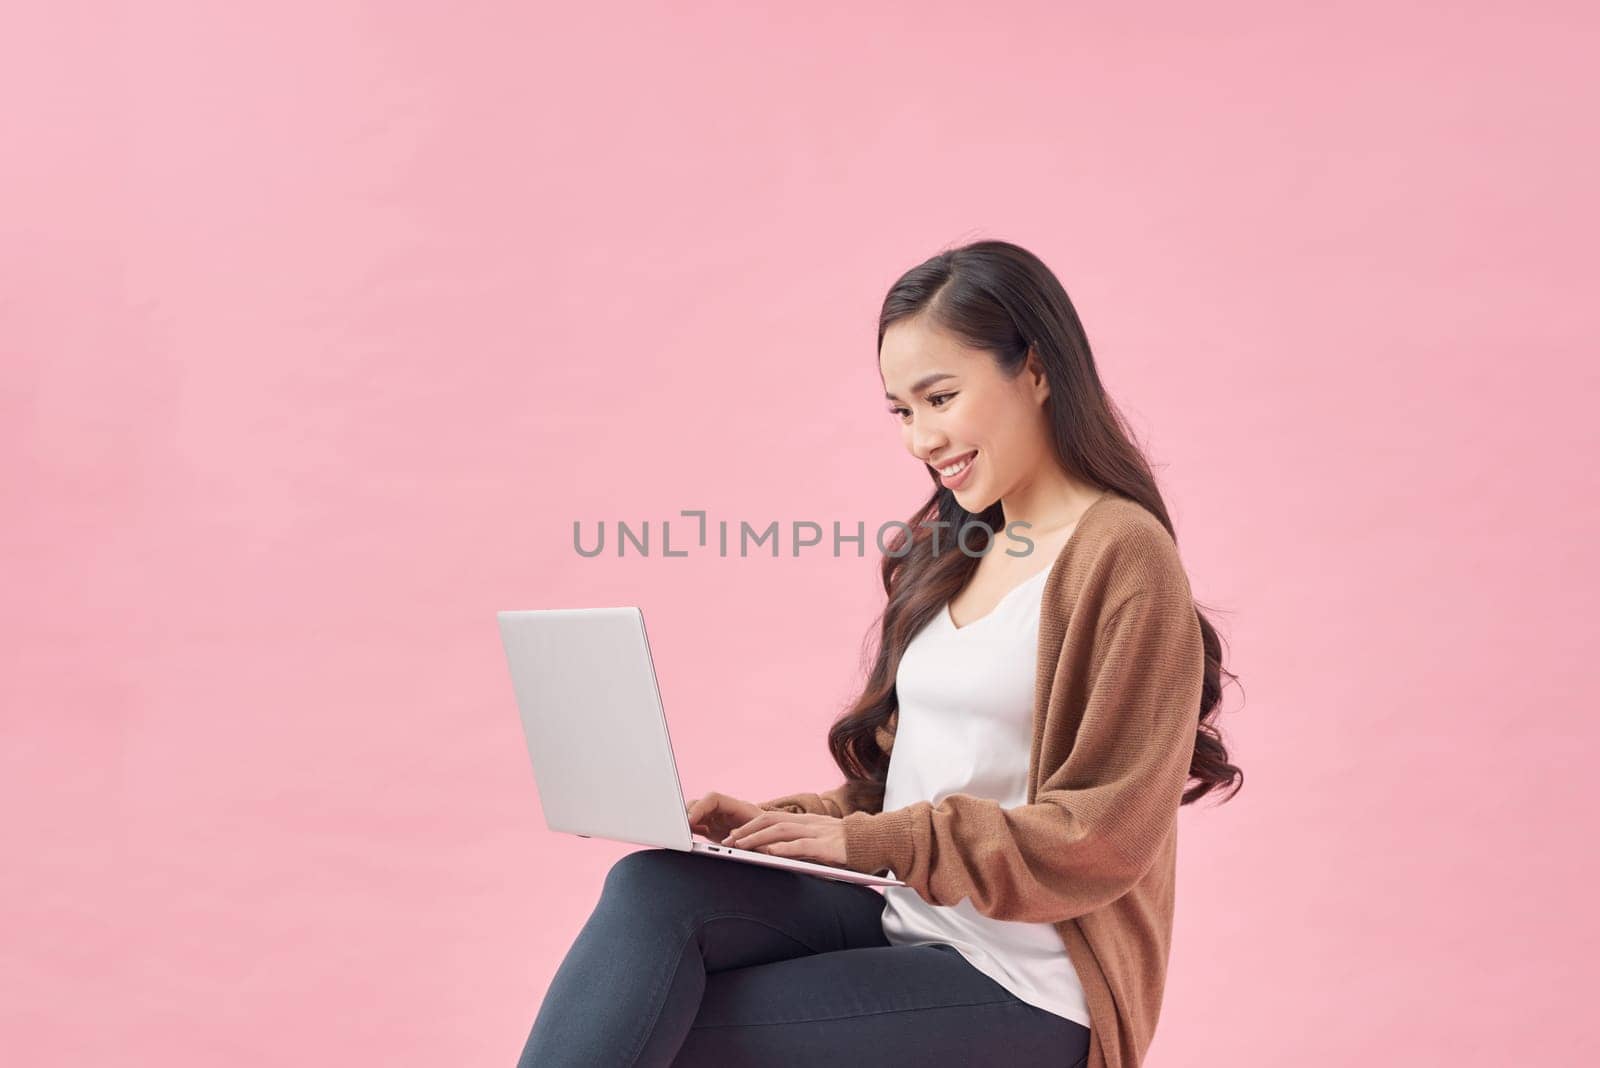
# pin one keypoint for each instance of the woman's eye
(933, 400)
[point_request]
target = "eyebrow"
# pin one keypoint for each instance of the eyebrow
(923, 383)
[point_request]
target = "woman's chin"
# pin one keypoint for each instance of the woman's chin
(971, 498)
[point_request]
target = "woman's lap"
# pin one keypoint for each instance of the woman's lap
(689, 959)
(905, 1005)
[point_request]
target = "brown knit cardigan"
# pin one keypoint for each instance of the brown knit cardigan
(1094, 849)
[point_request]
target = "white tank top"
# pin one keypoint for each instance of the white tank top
(965, 727)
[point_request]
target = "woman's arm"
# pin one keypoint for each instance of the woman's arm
(833, 802)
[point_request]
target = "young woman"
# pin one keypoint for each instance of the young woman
(1046, 686)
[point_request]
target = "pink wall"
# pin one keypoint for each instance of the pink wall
(322, 323)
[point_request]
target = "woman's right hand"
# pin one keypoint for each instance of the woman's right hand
(714, 815)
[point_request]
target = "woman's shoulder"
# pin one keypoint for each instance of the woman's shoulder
(1121, 548)
(1119, 524)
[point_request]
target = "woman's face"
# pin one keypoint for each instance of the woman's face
(956, 409)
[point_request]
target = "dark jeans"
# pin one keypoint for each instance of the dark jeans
(694, 960)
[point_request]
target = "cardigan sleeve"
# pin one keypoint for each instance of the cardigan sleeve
(828, 803)
(1098, 820)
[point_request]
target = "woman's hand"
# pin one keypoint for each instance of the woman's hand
(795, 835)
(714, 815)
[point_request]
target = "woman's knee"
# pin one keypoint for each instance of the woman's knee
(653, 875)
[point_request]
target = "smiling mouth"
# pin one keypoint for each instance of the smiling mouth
(952, 470)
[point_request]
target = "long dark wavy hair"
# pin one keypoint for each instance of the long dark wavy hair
(998, 297)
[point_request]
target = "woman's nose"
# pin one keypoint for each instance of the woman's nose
(925, 446)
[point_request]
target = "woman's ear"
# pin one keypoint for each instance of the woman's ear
(1037, 379)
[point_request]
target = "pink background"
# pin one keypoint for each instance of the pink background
(324, 322)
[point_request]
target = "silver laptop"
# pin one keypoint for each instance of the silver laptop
(602, 759)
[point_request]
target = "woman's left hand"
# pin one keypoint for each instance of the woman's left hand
(794, 835)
